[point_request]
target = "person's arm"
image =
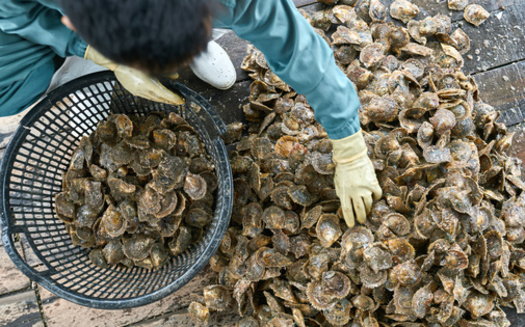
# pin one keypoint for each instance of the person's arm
(39, 22)
(300, 57)
(303, 60)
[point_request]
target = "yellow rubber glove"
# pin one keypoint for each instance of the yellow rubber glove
(136, 82)
(355, 179)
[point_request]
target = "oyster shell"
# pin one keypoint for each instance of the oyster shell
(443, 245)
(199, 312)
(403, 10)
(123, 190)
(457, 4)
(328, 230)
(476, 14)
(217, 297)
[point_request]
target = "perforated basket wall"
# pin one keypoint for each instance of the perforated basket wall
(31, 176)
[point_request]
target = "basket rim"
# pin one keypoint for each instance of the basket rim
(223, 213)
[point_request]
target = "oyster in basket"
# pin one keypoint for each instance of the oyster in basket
(138, 191)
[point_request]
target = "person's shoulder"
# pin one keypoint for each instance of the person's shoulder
(12, 8)
(15, 6)
(55, 4)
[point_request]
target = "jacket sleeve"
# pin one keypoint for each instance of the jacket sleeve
(39, 23)
(300, 57)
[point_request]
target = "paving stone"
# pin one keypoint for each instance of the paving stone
(4, 141)
(503, 87)
(20, 310)
(11, 279)
(61, 313)
(226, 103)
(182, 319)
(511, 117)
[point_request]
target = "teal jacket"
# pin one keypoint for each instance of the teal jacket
(299, 56)
(31, 35)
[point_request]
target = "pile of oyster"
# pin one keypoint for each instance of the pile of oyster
(443, 247)
(138, 190)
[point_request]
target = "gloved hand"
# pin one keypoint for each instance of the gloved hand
(136, 82)
(355, 179)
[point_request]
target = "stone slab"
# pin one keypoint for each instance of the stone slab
(498, 41)
(182, 319)
(11, 279)
(61, 313)
(504, 88)
(20, 310)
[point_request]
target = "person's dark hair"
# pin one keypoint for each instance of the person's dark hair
(156, 36)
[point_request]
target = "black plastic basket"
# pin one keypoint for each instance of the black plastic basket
(31, 175)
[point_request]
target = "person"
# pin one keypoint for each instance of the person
(159, 36)
(34, 43)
